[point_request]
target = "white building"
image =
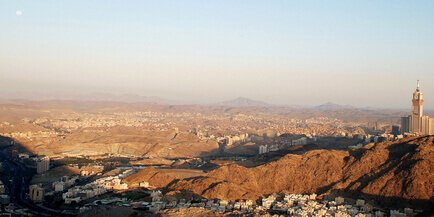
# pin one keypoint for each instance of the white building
(59, 186)
(301, 141)
(263, 149)
(144, 184)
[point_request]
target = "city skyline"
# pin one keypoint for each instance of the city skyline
(418, 122)
(362, 54)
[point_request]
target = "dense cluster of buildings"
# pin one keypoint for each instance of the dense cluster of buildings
(233, 139)
(280, 204)
(285, 143)
(98, 187)
(218, 125)
(4, 198)
(64, 183)
(37, 192)
(417, 122)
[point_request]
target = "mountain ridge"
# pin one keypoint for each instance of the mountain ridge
(393, 171)
(330, 106)
(243, 102)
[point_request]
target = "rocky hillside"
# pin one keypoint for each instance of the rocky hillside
(160, 178)
(403, 170)
(306, 173)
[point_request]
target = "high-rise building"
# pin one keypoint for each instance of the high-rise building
(395, 130)
(417, 110)
(416, 122)
(431, 124)
(427, 125)
(42, 164)
(405, 124)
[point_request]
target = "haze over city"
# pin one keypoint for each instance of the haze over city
(282, 52)
(222, 108)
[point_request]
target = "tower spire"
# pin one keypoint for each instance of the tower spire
(418, 85)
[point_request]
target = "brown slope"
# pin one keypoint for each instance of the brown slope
(402, 169)
(160, 178)
(292, 173)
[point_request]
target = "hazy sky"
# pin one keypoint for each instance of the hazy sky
(362, 53)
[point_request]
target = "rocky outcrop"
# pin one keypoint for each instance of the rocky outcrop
(401, 169)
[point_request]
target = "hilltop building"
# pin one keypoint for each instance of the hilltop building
(417, 123)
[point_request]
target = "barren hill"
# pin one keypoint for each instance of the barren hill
(160, 177)
(129, 141)
(403, 169)
(292, 173)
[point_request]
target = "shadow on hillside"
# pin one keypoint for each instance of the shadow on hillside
(17, 174)
(399, 159)
(323, 143)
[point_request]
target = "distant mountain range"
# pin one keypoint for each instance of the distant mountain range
(329, 106)
(240, 102)
(243, 102)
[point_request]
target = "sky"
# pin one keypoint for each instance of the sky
(360, 53)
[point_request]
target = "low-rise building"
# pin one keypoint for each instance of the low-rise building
(360, 202)
(36, 193)
(339, 200)
(2, 188)
(144, 184)
(263, 149)
(58, 186)
(4, 199)
(397, 213)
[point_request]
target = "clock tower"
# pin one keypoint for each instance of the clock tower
(417, 110)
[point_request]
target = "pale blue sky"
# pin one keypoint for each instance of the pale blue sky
(362, 53)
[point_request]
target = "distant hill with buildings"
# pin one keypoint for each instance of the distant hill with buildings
(389, 173)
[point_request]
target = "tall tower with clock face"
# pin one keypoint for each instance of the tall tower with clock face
(417, 110)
